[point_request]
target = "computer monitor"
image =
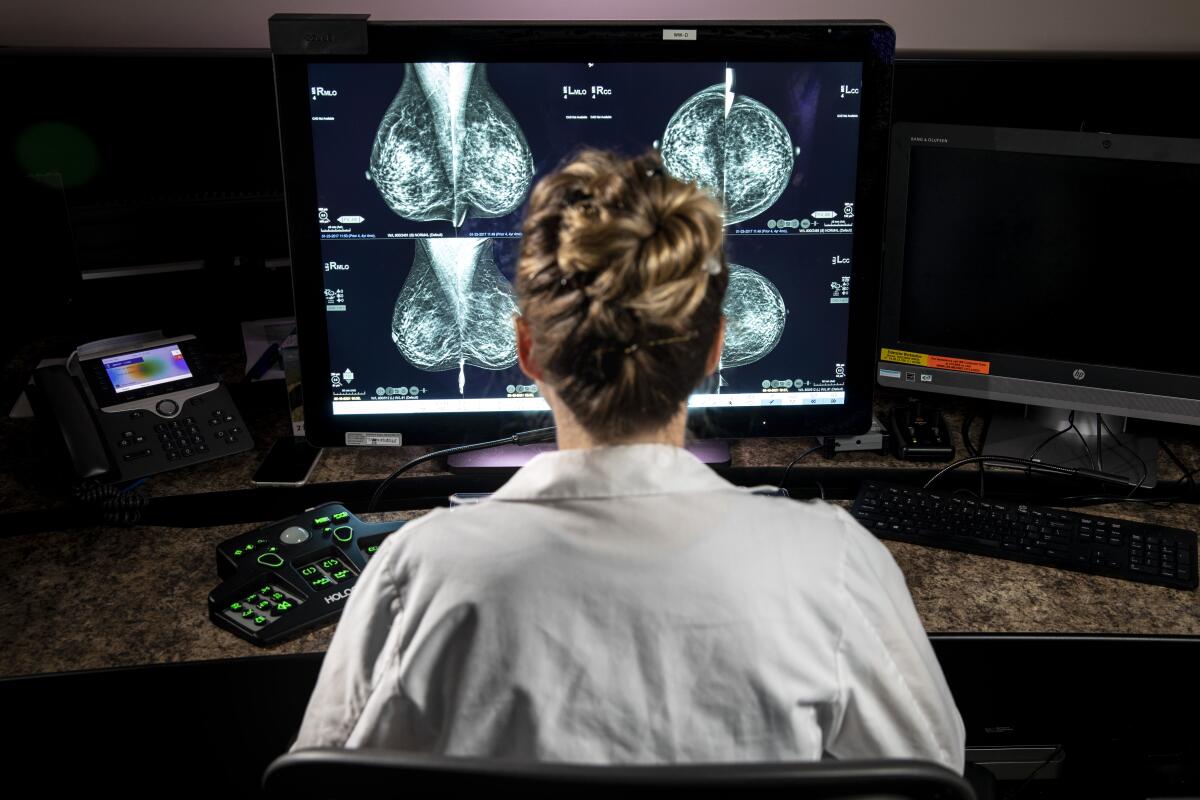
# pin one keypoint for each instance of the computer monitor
(1048, 269)
(409, 153)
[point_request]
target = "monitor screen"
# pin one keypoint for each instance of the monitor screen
(1083, 247)
(419, 172)
(1042, 267)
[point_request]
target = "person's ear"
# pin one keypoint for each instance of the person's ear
(525, 350)
(714, 354)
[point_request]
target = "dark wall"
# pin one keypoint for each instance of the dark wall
(1144, 96)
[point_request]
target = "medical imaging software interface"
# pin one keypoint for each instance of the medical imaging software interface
(423, 172)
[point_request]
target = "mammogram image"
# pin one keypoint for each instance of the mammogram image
(754, 317)
(455, 308)
(732, 145)
(448, 148)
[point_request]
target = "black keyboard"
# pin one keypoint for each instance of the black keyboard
(1134, 551)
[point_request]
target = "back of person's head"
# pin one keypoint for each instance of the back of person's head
(621, 279)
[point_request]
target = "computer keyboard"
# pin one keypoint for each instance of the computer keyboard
(1118, 548)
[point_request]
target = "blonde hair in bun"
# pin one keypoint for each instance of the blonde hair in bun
(621, 278)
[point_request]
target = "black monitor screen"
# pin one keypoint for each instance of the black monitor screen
(422, 175)
(1076, 259)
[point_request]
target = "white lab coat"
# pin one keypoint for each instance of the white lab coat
(627, 604)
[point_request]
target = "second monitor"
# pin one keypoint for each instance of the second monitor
(1049, 269)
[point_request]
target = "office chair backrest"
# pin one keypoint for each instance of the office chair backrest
(319, 774)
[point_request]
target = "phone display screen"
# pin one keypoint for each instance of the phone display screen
(138, 370)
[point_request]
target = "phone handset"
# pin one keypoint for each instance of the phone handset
(66, 405)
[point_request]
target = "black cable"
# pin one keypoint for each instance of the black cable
(966, 434)
(525, 437)
(1187, 472)
(793, 462)
(113, 506)
(1026, 465)
(983, 432)
(1145, 469)
(1070, 424)
(1083, 440)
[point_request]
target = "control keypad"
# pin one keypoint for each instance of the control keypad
(314, 558)
(261, 605)
(327, 571)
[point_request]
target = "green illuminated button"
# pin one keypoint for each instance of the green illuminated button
(343, 533)
(320, 582)
(311, 569)
(238, 552)
(247, 613)
(266, 589)
(236, 606)
(328, 529)
(251, 598)
(263, 605)
(342, 574)
(330, 563)
(260, 620)
(284, 606)
(372, 548)
(270, 560)
(249, 547)
(321, 521)
(277, 596)
(341, 515)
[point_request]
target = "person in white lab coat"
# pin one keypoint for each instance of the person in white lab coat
(617, 601)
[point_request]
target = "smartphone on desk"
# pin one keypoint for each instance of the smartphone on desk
(138, 410)
(289, 462)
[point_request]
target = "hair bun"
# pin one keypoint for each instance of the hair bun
(617, 254)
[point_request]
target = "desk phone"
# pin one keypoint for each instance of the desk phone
(293, 575)
(128, 413)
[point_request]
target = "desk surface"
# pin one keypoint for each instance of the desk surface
(106, 596)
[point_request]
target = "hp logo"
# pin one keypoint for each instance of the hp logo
(1078, 374)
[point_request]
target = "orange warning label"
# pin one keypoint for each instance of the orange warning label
(935, 362)
(959, 364)
(903, 357)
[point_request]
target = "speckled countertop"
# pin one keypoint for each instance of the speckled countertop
(107, 597)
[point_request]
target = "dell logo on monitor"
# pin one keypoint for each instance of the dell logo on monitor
(1078, 374)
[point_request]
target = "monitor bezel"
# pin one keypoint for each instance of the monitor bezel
(871, 43)
(1079, 385)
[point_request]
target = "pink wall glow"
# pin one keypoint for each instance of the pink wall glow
(1010, 25)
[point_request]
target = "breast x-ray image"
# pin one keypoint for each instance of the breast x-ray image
(455, 308)
(754, 317)
(732, 145)
(448, 148)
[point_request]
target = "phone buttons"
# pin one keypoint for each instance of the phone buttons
(167, 408)
(294, 535)
(270, 560)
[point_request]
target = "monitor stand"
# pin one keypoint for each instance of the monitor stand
(1019, 431)
(714, 452)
